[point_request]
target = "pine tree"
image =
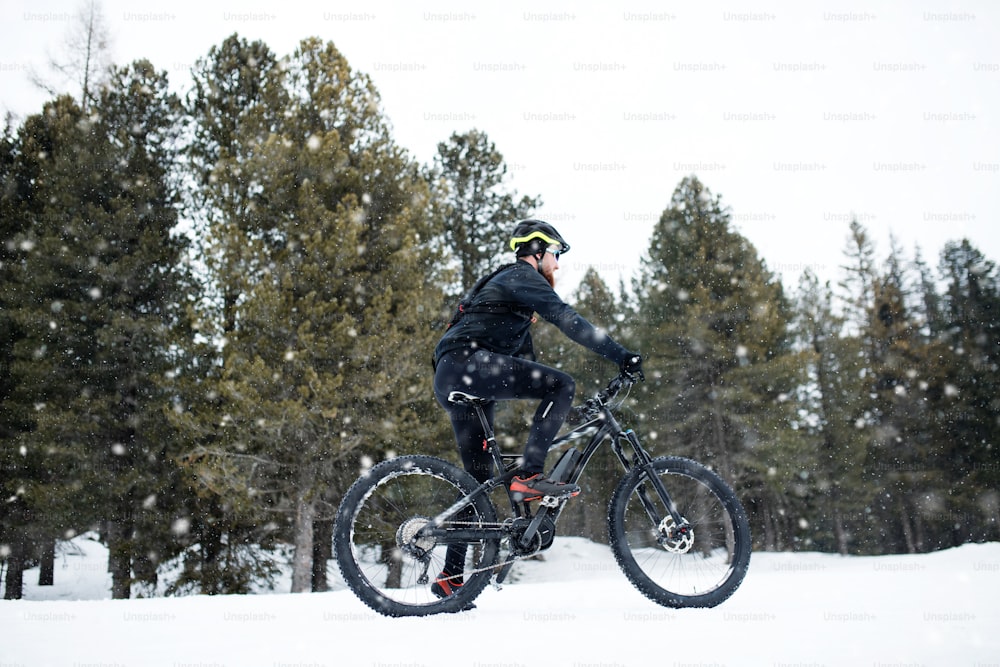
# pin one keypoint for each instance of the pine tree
(966, 395)
(226, 519)
(833, 405)
(476, 209)
(714, 335)
(38, 475)
(930, 300)
(13, 417)
(903, 369)
(94, 294)
(15, 406)
(315, 246)
(895, 446)
(145, 281)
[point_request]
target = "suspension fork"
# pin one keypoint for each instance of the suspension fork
(644, 461)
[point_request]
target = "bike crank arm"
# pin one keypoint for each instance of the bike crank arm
(532, 530)
(502, 574)
(522, 548)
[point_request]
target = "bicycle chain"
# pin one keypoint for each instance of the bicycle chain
(509, 559)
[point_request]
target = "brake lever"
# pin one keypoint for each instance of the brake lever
(633, 378)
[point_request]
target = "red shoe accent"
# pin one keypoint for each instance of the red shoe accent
(520, 485)
(444, 586)
(517, 485)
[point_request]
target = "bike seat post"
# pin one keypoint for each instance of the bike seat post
(500, 461)
(481, 413)
(488, 434)
(505, 464)
(478, 404)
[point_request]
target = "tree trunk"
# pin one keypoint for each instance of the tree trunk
(770, 529)
(322, 552)
(14, 579)
(830, 445)
(210, 539)
(920, 535)
(840, 533)
(836, 502)
(911, 546)
(47, 568)
(119, 559)
(302, 561)
(394, 564)
(721, 442)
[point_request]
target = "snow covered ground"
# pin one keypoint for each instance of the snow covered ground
(575, 609)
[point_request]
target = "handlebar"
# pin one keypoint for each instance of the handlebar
(592, 406)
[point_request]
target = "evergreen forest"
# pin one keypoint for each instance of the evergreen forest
(217, 308)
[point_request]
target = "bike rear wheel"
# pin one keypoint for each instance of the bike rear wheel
(699, 568)
(377, 544)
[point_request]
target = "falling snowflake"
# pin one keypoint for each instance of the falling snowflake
(181, 526)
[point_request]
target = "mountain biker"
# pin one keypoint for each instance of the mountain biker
(487, 352)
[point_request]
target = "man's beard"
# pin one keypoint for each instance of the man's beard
(550, 276)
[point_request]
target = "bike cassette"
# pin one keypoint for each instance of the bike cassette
(407, 540)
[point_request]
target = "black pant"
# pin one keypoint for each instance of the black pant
(500, 377)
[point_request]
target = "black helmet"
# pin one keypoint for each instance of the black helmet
(533, 236)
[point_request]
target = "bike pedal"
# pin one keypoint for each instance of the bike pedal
(551, 501)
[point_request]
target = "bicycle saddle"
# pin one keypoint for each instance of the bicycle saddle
(461, 398)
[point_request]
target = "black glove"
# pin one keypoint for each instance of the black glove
(632, 366)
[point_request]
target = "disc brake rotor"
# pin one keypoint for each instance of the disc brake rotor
(676, 539)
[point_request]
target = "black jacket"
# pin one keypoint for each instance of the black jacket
(498, 318)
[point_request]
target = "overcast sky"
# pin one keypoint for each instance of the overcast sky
(799, 114)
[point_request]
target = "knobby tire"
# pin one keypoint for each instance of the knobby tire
(398, 493)
(711, 568)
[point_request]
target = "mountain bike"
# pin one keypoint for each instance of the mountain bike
(677, 530)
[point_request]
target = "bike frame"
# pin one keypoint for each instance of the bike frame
(603, 426)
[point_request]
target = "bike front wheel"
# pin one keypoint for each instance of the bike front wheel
(382, 553)
(697, 564)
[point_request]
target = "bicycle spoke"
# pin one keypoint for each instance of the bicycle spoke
(384, 556)
(699, 563)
